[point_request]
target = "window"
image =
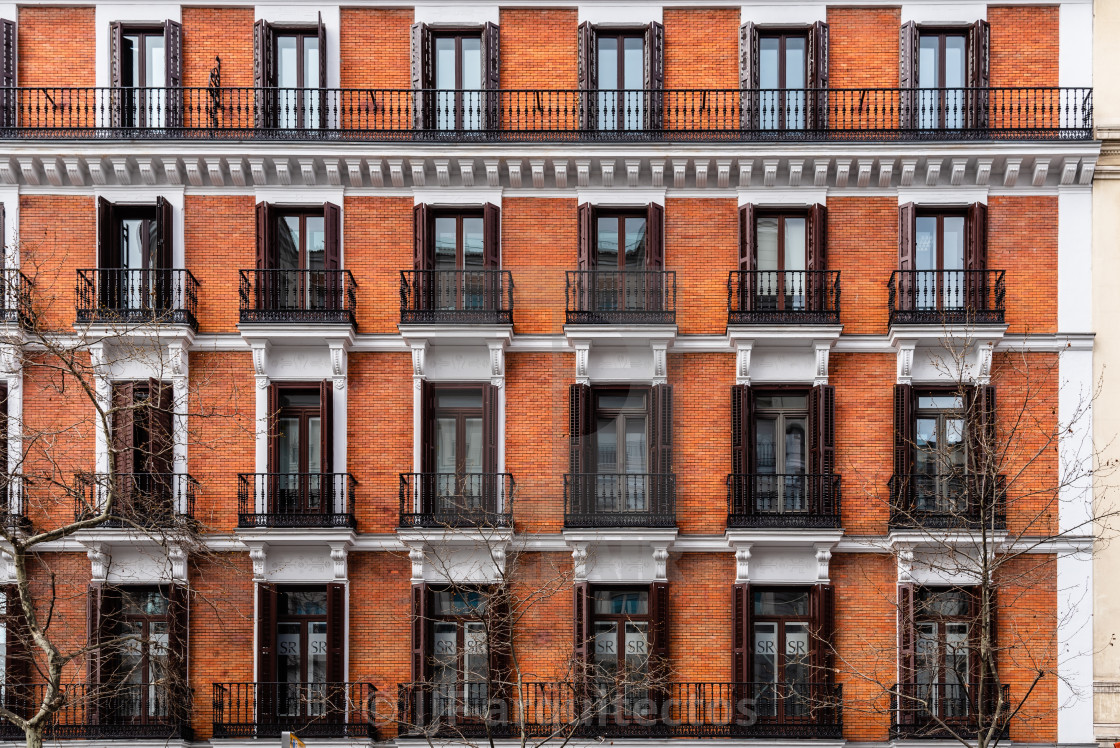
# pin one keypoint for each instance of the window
(456, 255)
(943, 259)
(301, 446)
(144, 659)
(782, 258)
(782, 652)
(621, 449)
(146, 74)
(290, 71)
(940, 447)
(142, 440)
(940, 66)
(781, 451)
(625, 70)
(9, 66)
(784, 76)
(299, 260)
(134, 257)
(943, 627)
(300, 636)
(624, 248)
(460, 449)
(461, 66)
(460, 653)
(15, 664)
(621, 657)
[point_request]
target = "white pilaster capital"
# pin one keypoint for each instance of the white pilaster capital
(497, 362)
(583, 353)
(904, 363)
(742, 562)
(821, 349)
(660, 360)
(743, 361)
(339, 551)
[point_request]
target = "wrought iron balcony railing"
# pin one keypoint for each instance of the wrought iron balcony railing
(15, 297)
(13, 491)
(621, 297)
(619, 710)
(118, 295)
(797, 297)
(620, 500)
(457, 297)
(948, 501)
(114, 712)
(456, 500)
(790, 500)
(309, 710)
(296, 296)
(295, 500)
(858, 114)
(936, 297)
(138, 499)
(941, 711)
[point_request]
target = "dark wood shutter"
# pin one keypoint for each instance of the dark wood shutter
(421, 631)
(905, 285)
(106, 257)
(102, 616)
(821, 615)
(976, 256)
(123, 428)
(582, 615)
(816, 284)
(498, 637)
(585, 253)
(907, 637)
(490, 445)
(903, 446)
(422, 65)
(746, 238)
(266, 242)
(491, 237)
(661, 428)
(116, 52)
(336, 632)
(588, 72)
(427, 427)
(9, 71)
(655, 237)
(742, 429)
(93, 634)
(908, 75)
(749, 76)
(273, 428)
(332, 229)
(822, 445)
(322, 32)
(981, 404)
(173, 62)
(423, 250)
(159, 452)
(659, 630)
(267, 604)
(178, 650)
(264, 73)
(326, 427)
(979, 35)
(741, 602)
(491, 71)
(580, 425)
(818, 75)
(165, 231)
(654, 73)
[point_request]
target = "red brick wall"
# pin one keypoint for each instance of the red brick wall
(377, 246)
(1023, 242)
(226, 227)
(1024, 45)
(56, 46)
(863, 47)
(57, 237)
(702, 438)
(539, 244)
(701, 44)
(538, 48)
(375, 44)
(702, 246)
(865, 257)
(217, 32)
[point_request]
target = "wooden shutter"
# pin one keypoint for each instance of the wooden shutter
(173, 65)
(106, 257)
(266, 242)
(264, 71)
(822, 446)
(976, 256)
(818, 75)
(655, 237)
(580, 426)
(103, 615)
(741, 671)
(491, 69)
(588, 72)
(908, 75)
(332, 244)
(907, 636)
(659, 626)
(326, 429)
(116, 52)
(422, 64)
(817, 257)
(178, 650)
(267, 603)
(742, 429)
(981, 405)
(427, 427)
(654, 73)
(159, 452)
(322, 52)
(490, 445)
(498, 635)
(165, 228)
(585, 254)
(423, 250)
(903, 445)
(749, 76)
(273, 428)
(661, 429)
(582, 615)
(979, 35)
(9, 71)
(123, 428)
(93, 635)
(821, 615)
(905, 286)
(491, 237)
(746, 238)
(421, 631)
(336, 632)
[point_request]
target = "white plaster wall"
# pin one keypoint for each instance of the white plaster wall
(792, 14)
(464, 14)
(1075, 260)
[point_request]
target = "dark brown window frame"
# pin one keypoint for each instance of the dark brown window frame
(300, 32)
(145, 644)
(780, 654)
(458, 214)
(458, 34)
(939, 238)
(623, 618)
(142, 30)
(781, 214)
(279, 213)
(303, 620)
(622, 214)
(621, 416)
(461, 414)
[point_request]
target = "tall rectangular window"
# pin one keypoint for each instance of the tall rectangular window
(783, 78)
(942, 76)
(943, 619)
(289, 74)
(781, 245)
(460, 653)
(621, 635)
(621, 74)
(781, 452)
(458, 78)
(940, 453)
(782, 652)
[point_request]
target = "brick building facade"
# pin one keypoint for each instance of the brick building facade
(684, 325)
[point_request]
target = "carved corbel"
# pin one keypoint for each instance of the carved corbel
(260, 363)
(982, 370)
(419, 355)
(743, 361)
(905, 565)
(258, 555)
(905, 362)
(579, 562)
(742, 562)
(8, 565)
(660, 361)
(824, 556)
(416, 557)
(338, 559)
(177, 557)
(338, 365)
(660, 562)
(497, 362)
(498, 554)
(821, 350)
(99, 560)
(583, 353)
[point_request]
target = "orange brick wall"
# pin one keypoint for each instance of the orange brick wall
(1023, 242)
(538, 48)
(56, 46)
(701, 44)
(865, 258)
(701, 438)
(57, 237)
(702, 246)
(864, 437)
(1024, 45)
(539, 244)
(217, 32)
(374, 47)
(863, 47)
(377, 246)
(224, 227)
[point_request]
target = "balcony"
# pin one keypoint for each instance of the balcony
(456, 297)
(13, 489)
(121, 712)
(295, 500)
(459, 711)
(298, 296)
(456, 500)
(769, 500)
(794, 297)
(138, 499)
(949, 501)
(596, 500)
(15, 300)
(616, 297)
(946, 297)
(527, 115)
(948, 711)
(122, 296)
(310, 710)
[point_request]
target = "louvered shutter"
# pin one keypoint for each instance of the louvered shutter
(581, 493)
(976, 258)
(267, 604)
(742, 450)
(983, 449)
(423, 251)
(336, 632)
(421, 632)
(117, 66)
(273, 430)
(159, 453)
(491, 237)
(264, 73)
(123, 428)
(653, 51)
(816, 283)
(585, 253)
(490, 446)
(747, 254)
(661, 428)
(979, 35)
(17, 647)
(9, 69)
(582, 615)
(498, 635)
(903, 447)
(422, 65)
(908, 75)
(659, 629)
(323, 52)
(989, 674)
(491, 70)
(818, 75)
(821, 615)
(907, 639)
(102, 615)
(427, 427)
(749, 76)
(741, 671)
(178, 650)
(588, 71)
(822, 447)
(173, 65)
(165, 227)
(655, 237)
(105, 255)
(266, 242)
(326, 437)
(332, 229)
(907, 282)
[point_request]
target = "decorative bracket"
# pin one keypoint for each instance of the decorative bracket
(905, 361)
(416, 557)
(497, 362)
(99, 561)
(583, 353)
(820, 357)
(660, 361)
(660, 561)
(338, 364)
(338, 559)
(419, 354)
(178, 560)
(579, 562)
(8, 561)
(824, 556)
(743, 361)
(905, 565)
(742, 562)
(258, 554)
(982, 371)
(260, 363)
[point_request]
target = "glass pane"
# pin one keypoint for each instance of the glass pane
(636, 645)
(472, 243)
(633, 65)
(952, 252)
(765, 652)
(621, 602)
(131, 651)
(636, 449)
(445, 239)
(795, 243)
(288, 653)
(314, 445)
(472, 65)
(445, 62)
(317, 652)
(316, 242)
(608, 62)
(459, 603)
(155, 60)
(797, 652)
(297, 399)
(942, 601)
(606, 646)
(781, 402)
(475, 652)
(928, 66)
(472, 428)
(143, 603)
(766, 233)
(459, 398)
(445, 445)
(130, 61)
(633, 400)
(926, 654)
(765, 446)
(781, 602)
(606, 443)
(288, 240)
(288, 446)
(795, 62)
(287, 62)
(132, 243)
(635, 244)
(303, 602)
(925, 243)
(606, 242)
(768, 62)
(445, 650)
(940, 402)
(795, 446)
(955, 69)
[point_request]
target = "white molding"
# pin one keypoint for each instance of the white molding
(1075, 261)
(791, 14)
(450, 14)
(1075, 44)
(437, 196)
(947, 13)
(618, 13)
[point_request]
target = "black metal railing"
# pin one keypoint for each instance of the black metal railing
(295, 500)
(13, 493)
(298, 296)
(620, 500)
(107, 712)
(955, 500)
(15, 297)
(855, 114)
(679, 710)
(619, 297)
(457, 297)
(456, 500)
(143, 499)
(949, 710)
(798, 297)
(790, 500)
(931, 297)
(310, 710)
(137, 296)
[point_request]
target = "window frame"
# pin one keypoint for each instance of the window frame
(783, 34)
(942, 33)
(458, 34)
(300, 32)
(145, 644)
(939, 236)
(945, 475)
(941, 621)
(143, 31)
(459, 214)
(302, 213)
(621, 214)
(780, 653)
(304, 620)
(780, 414)
(622, 619)
(621, 416)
